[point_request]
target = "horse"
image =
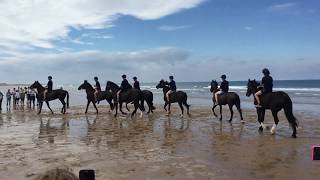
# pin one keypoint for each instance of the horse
(274, 101)
(229, 98)
(51, 95)
(148, 97)
(132, 95)
(179, 97)
(103, 95)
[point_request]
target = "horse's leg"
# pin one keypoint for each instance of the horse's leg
(169, 108)
(220, 106)
(276, 121)
(181, 107)
(127, 107)
(165, 106)
(40, 107)
(231, 112)
(187, 106)
(111, 105)
(116, 106)
(136, 106)
(94, 105)
(214, 106)
(63, 109)
(120, 107)
(88, 102)
(47, 102)
(240, 112)
(262, 112)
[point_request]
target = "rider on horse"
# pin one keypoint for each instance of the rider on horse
(266, 84)
(224, 88)
(125, 86)
(173, 87)
(97, 88)
(48, 87)
(136, 83)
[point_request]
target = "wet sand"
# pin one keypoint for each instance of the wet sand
(156, 146)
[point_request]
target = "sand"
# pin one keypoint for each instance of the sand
(156, 146)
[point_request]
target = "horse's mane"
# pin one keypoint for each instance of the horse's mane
(91, 87)
(112, 85)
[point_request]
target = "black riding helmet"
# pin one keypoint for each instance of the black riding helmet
(95, 78)
(134, 78)
(170, 77)
(266, 71)
(49, 77)
(224, 76)
(124, 76)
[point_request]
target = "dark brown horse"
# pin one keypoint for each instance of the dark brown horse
(103, 95)
(132, 95)
(274, 101)
(229, 98)
(147, 96)
(179, 97)
(51, 95)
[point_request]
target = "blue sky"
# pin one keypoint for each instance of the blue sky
(195, 40)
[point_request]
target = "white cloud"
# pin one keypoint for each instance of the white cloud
(37, 23)
(248, 28)
(173, 28)
(282, 7)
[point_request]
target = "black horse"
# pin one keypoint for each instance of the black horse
(229, 98)
(148, 97)
(51, 95)
(179, 96)
(274, 101)
(132, 95)
(103, 95)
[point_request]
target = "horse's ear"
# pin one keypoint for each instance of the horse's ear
(249, 79)
(254, 80)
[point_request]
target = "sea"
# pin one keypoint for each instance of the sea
(305, 94)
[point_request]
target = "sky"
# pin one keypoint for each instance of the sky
(194, 40)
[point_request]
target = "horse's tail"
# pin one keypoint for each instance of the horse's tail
(288, 112)
(185, 100)
(67, 99)
(151, 101)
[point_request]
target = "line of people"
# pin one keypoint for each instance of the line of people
(17, 96)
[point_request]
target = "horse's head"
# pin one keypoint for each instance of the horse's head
(35, 85)
(85, 85)
(111, 86)
(161, 84)
(252, 87)
(214, 86)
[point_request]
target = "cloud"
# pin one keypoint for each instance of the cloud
(72, 66)
(173, 28)
(248, 28)
(38, 23)
(282, 7)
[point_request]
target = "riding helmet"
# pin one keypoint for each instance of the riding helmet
(266, 71)
(124, 76)
(95, 78)
(170, 77)
(134, 78)
(223, 76)
(49, 77)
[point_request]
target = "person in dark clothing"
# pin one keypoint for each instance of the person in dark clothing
(266, 84)
(48, 87)
(136, 83)
(125, 86)
(97, 88)
(173, 87)
(224, 88)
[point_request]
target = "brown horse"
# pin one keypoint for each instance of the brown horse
(229, 98)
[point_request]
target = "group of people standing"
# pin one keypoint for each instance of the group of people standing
(17, 96)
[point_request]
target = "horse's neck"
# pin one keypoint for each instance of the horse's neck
(40, 89)
(165, 89)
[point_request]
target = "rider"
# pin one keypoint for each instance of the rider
(224, 87)
(124, 86)
(266, 84)
(48, 87)
(173, 87)
(97, 88)
(136, 83)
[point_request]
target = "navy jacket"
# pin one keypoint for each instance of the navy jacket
(267, 83)
(98, 87)
(49, 85)
(172, 85)
(125, 85)
(224, 86)
(136, 85)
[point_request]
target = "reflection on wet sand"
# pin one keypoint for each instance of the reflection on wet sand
(155, 146)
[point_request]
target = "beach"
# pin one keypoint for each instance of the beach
(156, 146)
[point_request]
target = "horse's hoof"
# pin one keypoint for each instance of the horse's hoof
(215, 115)
(181, 115)
(230, 120)
(242, 121)
(220, 119)
(260, 129)
(294, 136)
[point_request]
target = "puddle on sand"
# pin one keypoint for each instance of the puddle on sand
(155, 146)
